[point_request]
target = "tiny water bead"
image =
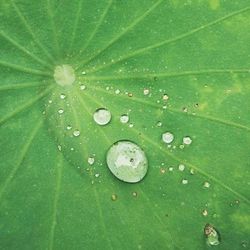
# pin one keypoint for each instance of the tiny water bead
(82, 87)
(60, 111)
(187, 140)
(76, 133)
(212, 235)
(181, 167)
(127, 161)
(167, 137)
(91, 160)
(102, 116)
(64, 75)
(124, 118)
(62, 96)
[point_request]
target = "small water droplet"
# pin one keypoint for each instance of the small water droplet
(83, 72)
(187, 140)
(91, 160)
(114, 197)
(167, 137)
(59, 147)
(131, 125)
(102, 116)
(146, 91)
(127, 161)
(134, 194)
(97, 175)
(165, 97)
(206, 184)
(181, 167)
(212, 235)
(124, 118)
(62, 96)
(82, 87)
(60, 111)
(64, 75)
(159, 124)
(50, 101)
(184, 181)
(117, 91)
(69, 127)
(205, 212)
(76, 133)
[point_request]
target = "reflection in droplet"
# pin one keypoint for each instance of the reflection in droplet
(212, 235)
(206, 184)
(124, 118)
(69, 127)
(102, 116)
(184, 181)
(167, 137)
(76, 133)
(127, 161)
(146, 91)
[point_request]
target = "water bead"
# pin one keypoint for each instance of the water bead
(127, 161)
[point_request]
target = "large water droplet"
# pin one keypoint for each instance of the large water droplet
(127, 161)
(102, 116)
(64, 75)
(212, 235)
(76, 133)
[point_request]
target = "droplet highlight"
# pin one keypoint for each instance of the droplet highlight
(167, 137)
(212, 235)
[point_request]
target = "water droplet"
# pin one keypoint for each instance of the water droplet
(117, 91)
(165, 97)
(181, 167)
(127, 161)
(114, 197)
(124, 118)
(91, 160)
(62, 96)
(50, 101)
(97, 175)
(205, 212)
(167, 137)
(212, 235)
(102, 116)
(83, 72)
(187, 140)
(131, 125)
(134, 194)
(146, 91)
(76, 133)
(82, 87)
(206, 184)
(64, 75)
(170, 169)
(59, 147)
(159, 124)
(60, 111)
(184, 181)
(69, 127)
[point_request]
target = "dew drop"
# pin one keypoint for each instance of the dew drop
(205, 212)
(117, 91)
(60, 111)
(206, 184)
(124, 118)
(212, 235)
(76, 133)
(159, 124)
(184, 181)
(165, 97)
(167, 137)
(114, 197)
(62, 96)
(187, 140)
(91, 160)
(69, 127)
(127, 161)
(102, 116)
(64, 75)
(181, 167)
(82, 87)
(146, 91)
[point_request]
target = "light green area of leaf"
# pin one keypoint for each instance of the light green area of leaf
(196, 52)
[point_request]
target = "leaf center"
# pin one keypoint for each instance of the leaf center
(64, 75)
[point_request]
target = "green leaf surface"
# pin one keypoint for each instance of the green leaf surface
(172, 66)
